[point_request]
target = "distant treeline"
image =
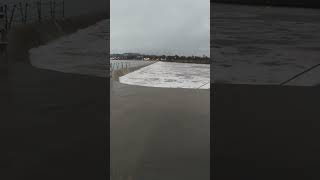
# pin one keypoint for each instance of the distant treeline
(292, 3)
(186, 59)
(183, 59)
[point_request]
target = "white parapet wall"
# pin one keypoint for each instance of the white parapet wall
(170, 75)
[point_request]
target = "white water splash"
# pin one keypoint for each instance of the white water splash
(170, 75)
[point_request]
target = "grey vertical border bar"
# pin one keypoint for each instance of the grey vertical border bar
(108, 94)
(44, 149)
(212, 121)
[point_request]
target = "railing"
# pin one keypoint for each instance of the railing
(121, 65)
(24, 12)
(126, 65)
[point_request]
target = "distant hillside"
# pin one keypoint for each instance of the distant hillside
(292, 3)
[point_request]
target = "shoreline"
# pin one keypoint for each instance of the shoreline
(175, 61)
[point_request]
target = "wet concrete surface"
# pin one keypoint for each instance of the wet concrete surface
(159, 133)
(265, 132)
(53, 125)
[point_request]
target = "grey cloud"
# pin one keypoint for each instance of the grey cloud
(160, 27)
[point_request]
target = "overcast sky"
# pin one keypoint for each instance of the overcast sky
(168, 27)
